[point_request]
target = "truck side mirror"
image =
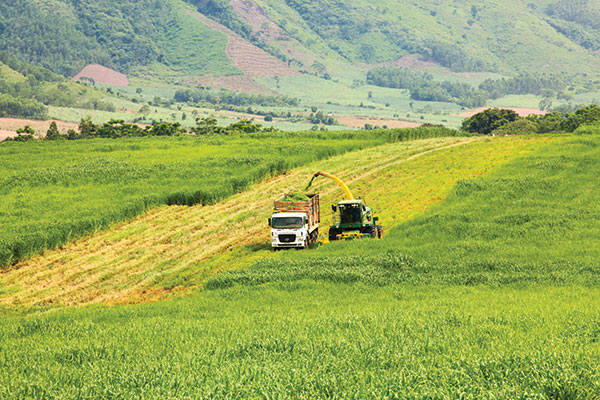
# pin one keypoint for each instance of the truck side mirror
(270, 222)
(364, 208)
(333, 208)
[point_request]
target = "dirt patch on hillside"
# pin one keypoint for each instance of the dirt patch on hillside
(261, 24)
(6, 134)
(410, 61)
(522, 111)
(414, 61)
(240, 83)
(268, 30)
(252, 60)
(103, 75)
(9, 126)
(359, 122)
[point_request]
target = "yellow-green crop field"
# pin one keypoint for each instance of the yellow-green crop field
(484, 286)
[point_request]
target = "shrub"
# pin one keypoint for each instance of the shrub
(518, 127)
(588, 129)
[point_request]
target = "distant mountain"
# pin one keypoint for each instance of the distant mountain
(191, 39)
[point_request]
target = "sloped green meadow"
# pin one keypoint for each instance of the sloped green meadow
(492, 294)
(535, 220)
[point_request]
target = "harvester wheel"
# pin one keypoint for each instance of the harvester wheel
(371, 231)
(379, 231)
(333, 232)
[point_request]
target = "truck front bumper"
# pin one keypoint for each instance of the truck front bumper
(288, 241)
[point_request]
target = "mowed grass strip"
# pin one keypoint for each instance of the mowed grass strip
(176, 248)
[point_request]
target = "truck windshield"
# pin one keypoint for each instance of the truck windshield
(287, 222)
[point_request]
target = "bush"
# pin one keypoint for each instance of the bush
(588, 129)
(518, 127)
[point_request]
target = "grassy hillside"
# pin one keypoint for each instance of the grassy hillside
(318, 36)
(506, 37)
(65, 35)
(450, 304)
(26, 90)
(534, 220)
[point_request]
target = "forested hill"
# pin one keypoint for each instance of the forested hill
(315, 36)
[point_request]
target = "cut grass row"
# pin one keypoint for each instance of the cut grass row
(54, 192)
(175, 248)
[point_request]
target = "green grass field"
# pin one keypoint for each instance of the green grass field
(314, 340)
(492, 293)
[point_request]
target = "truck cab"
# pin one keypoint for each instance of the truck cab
(295, 223)
(289, 229)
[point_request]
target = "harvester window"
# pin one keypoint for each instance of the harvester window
(288, 222)
(350, 214)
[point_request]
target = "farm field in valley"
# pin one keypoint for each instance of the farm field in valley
(484, 286)
(136, 257)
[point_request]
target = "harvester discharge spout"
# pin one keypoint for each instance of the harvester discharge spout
(336, 180)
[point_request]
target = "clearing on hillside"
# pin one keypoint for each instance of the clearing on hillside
(252, 60)
(241, 83)
(359, 122)
(522, 111)
(103, 75)
(9, 126)
(6, 134)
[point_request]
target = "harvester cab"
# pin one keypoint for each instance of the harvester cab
(351, 218)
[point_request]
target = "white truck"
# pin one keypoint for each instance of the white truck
(295, 224)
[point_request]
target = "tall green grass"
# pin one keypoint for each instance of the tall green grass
(51, 193)
(313, 341)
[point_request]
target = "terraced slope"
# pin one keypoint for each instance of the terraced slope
(173, 249)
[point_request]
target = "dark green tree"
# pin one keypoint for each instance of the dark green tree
(87, 127)
(489, 120)
(53, 133)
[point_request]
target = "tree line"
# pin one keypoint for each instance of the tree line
(423, 87)
(507, 122)
(116, 128)
(203, 95)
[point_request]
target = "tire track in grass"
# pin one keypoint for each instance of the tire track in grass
(174, 248)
